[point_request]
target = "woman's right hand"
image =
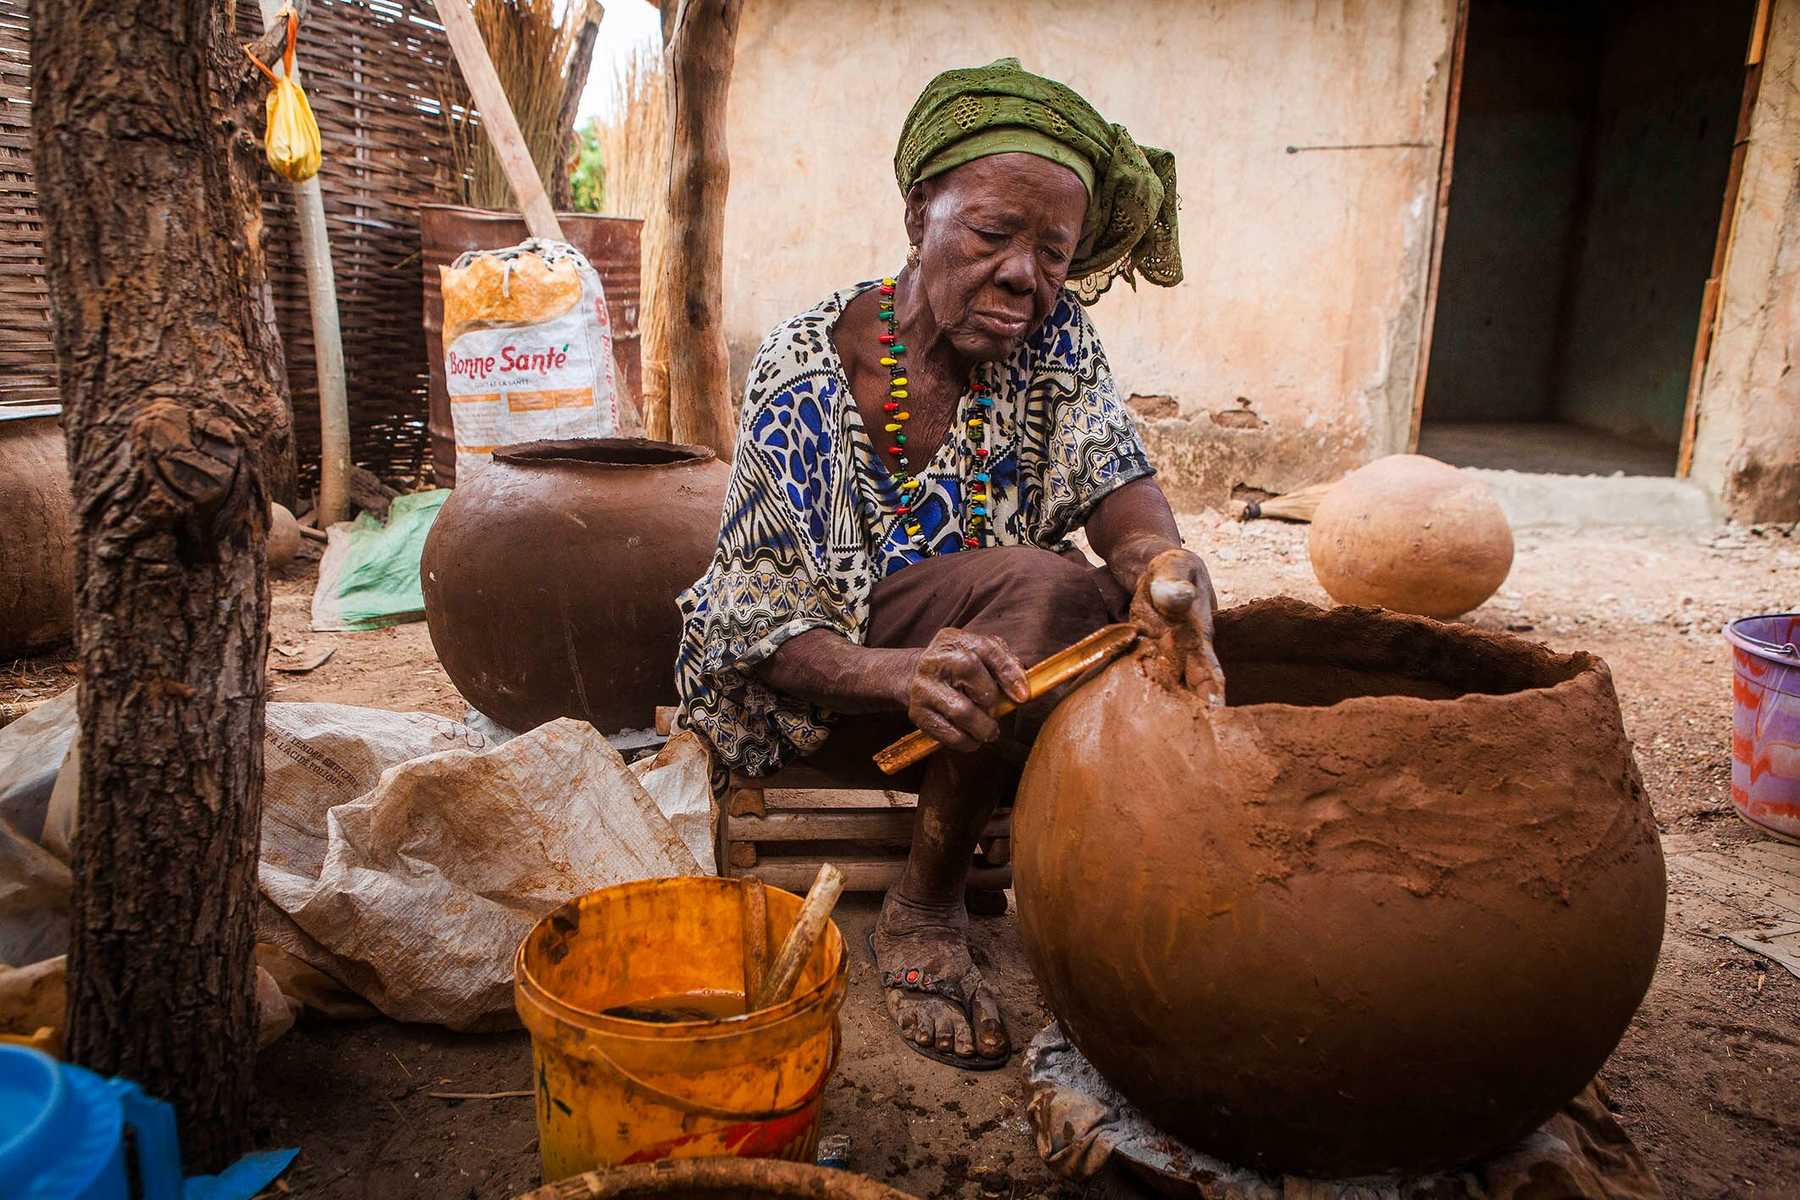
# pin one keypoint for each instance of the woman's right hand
(958, 681)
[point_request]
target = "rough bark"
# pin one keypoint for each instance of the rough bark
(171, 382)
(685, 332)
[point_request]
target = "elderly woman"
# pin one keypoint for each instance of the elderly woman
(914, 457)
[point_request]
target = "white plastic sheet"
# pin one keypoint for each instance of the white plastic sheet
(404, 855)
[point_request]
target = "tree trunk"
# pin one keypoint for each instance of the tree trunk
(685, 333)
(172, 390)
(581, 65)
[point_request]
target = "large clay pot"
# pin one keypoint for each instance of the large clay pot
(609, 243)
(1388, 909)
(550, 577)
(37, 531)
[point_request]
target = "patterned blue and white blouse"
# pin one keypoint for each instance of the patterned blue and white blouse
(809, 524)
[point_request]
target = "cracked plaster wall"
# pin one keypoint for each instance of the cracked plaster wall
(1747, 445)
(1289, 354)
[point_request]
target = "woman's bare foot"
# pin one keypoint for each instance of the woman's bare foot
(924, 945)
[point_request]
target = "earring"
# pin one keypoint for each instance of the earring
(912, 255)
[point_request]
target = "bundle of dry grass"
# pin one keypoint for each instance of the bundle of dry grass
(542, 60)
(1297, 505)
(634, 139)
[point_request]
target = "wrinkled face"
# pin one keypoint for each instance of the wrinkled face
(995, 239)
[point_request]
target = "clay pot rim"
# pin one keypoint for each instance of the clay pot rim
(1556, 669)
(568, 452)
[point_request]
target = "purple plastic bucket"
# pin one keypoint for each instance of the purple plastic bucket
(1765, 721)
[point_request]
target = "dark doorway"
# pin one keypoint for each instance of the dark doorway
(1592, 149)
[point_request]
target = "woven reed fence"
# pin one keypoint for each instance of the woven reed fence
(373, 71)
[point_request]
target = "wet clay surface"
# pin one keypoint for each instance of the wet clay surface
(1704, 1080)
(1393, 934)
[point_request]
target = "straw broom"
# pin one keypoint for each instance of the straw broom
(1297, 505)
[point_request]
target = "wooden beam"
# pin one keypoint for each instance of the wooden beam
(1712, 294)
(860, 875)
(497, 120)
(839, 825)
(1439, 221)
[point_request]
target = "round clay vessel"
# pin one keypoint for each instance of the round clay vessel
(1412, 534)
(1388, 909)
(550, 577)
(37, 543)
(284, 537)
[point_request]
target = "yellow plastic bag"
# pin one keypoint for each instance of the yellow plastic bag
(292, 138)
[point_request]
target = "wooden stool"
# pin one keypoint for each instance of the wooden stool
(781, 827)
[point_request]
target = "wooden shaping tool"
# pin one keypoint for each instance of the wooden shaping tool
(1094, 650)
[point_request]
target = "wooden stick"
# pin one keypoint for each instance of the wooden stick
(497, 120)
(808, 928)
(479, 1095)
(328, 341)
(756, 937)
(1101, 646)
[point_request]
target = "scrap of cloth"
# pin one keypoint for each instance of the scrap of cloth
(1131, 228)
(809, 525)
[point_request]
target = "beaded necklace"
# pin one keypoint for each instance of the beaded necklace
(893, 357)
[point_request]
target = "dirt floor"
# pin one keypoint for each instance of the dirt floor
(1706, 1081)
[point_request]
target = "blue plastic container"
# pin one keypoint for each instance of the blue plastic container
(62, 1138)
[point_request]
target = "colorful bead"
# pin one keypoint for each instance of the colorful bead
(974, 422)
(981, 477)
(894, 427)
(889, 362)
(971, 543)
(902, 509)
(905, 416)
(891, 406)
(901, 438)
(909, 485)
(898, 347)
(897, 381)
(898, 393)
(887, 281)
(981, 451)
(985, 401)
(886, 339)
(895, 450)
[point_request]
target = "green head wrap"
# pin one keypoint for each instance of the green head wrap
(999, 109)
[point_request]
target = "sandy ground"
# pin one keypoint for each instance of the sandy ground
(1707, 1080)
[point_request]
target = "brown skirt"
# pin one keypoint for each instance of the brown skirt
(1036, 601)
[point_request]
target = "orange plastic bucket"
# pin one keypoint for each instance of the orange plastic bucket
(611, 1090)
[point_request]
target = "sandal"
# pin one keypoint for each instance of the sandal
(914, 980)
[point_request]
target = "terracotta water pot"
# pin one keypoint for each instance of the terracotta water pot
(1388, 909)
(550, 577)
(37, 531)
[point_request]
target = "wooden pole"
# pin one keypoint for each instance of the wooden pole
(687, 322)
(1440, 222)
(328, 341)
(497, 119)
